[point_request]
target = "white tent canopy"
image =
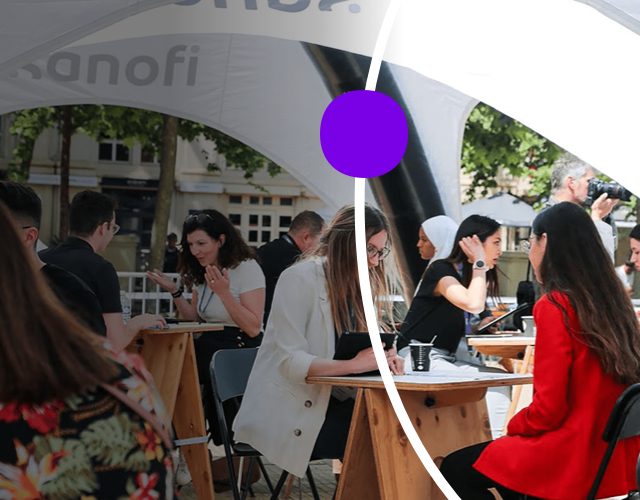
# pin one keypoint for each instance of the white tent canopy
(561, 67)
(505, 208)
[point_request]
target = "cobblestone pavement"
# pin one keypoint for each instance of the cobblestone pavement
(322, 474)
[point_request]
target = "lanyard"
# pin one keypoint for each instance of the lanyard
(201, 310)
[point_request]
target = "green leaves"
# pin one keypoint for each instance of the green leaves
(132, 126)
(494, 142)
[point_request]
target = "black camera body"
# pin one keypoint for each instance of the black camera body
(614, 190)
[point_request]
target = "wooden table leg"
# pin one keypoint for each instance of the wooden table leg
(188, 420)
(517, 390)
(380, 462)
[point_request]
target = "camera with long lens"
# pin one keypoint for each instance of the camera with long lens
(614, 190)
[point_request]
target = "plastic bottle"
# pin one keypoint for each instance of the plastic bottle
(126, 306)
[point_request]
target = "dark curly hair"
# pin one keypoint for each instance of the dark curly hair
(234, 251)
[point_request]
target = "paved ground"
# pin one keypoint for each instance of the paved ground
(322, 474)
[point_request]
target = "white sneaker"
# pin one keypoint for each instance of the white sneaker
(183, 476)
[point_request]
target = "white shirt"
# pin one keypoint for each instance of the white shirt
(244, 278)
(627, 279)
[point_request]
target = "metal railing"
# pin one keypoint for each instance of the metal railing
(146, 296)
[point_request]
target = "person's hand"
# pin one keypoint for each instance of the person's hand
(365, 361)
(164, 282)
(473, 249)
(217, 281)
(395, 362)
(145, 321)
(602, 207)
(488, 319)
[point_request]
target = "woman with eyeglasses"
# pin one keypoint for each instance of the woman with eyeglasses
(450, 291)
(228, 287)
(286, 419)
(587, 354)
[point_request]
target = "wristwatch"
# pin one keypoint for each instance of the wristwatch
(480, 265)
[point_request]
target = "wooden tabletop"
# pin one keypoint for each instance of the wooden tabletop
(186, 328)
(500, 345)
(515, 340)
(428, 381)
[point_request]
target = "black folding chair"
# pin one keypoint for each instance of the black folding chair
(230, 369)
(624, 422)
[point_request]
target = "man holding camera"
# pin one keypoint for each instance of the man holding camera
(574, 180)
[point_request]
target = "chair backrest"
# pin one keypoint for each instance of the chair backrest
(230, 370)
(623, 422)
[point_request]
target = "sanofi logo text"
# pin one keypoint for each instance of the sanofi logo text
(284, 6)
(179, 67)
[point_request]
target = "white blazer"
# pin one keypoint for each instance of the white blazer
(281, 415)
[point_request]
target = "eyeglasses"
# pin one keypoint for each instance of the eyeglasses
(526, 246)
(200, 217)
(116, 228)
(373, 251)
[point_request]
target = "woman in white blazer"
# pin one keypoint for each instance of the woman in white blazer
(282, 416)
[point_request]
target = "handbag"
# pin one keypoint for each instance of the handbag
(524, 294)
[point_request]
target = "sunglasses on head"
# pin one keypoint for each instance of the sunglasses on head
(200, 217)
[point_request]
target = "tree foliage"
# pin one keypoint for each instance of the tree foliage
(494, 141)
(131, 125)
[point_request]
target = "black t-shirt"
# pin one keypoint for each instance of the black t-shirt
(77, 257)
(275, 257)
(430, 315)
(77, 296)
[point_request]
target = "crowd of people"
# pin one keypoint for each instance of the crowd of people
(61, 351)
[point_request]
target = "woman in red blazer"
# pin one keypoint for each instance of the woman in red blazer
(587, 353)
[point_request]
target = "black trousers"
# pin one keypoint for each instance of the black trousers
(332, 440)
(467, 482)
(206, 346)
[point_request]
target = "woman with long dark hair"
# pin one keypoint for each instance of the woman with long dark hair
(228, 287)
(63, 434)
(587, 354)
(450, 291)
(316, 300)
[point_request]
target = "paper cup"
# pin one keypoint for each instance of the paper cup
(420, 357)
(528, 326)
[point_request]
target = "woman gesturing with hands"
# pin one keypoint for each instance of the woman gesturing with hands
(228, 287)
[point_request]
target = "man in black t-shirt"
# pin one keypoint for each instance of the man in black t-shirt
(26, 209)
(92, 224)
(279, 254)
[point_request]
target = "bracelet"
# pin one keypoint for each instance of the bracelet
(178, 292)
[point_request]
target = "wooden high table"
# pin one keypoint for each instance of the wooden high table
(515, 347)
(448, 412)
(170, 357)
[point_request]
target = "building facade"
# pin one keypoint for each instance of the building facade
(131, 177)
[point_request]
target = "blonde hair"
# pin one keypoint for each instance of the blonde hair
(338, 246)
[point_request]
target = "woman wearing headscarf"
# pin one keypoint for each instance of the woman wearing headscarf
(436, 237)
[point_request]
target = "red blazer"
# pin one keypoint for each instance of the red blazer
(553, 447)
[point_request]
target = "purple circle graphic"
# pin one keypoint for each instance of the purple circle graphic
(363, 133)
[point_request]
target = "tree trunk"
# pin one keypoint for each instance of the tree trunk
(165, 191)
(65, 158)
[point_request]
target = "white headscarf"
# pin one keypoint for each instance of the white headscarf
(441, 231)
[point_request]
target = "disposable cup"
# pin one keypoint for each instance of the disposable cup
(529, 326)
(420, 356)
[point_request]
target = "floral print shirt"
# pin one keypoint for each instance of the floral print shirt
(89, 446)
